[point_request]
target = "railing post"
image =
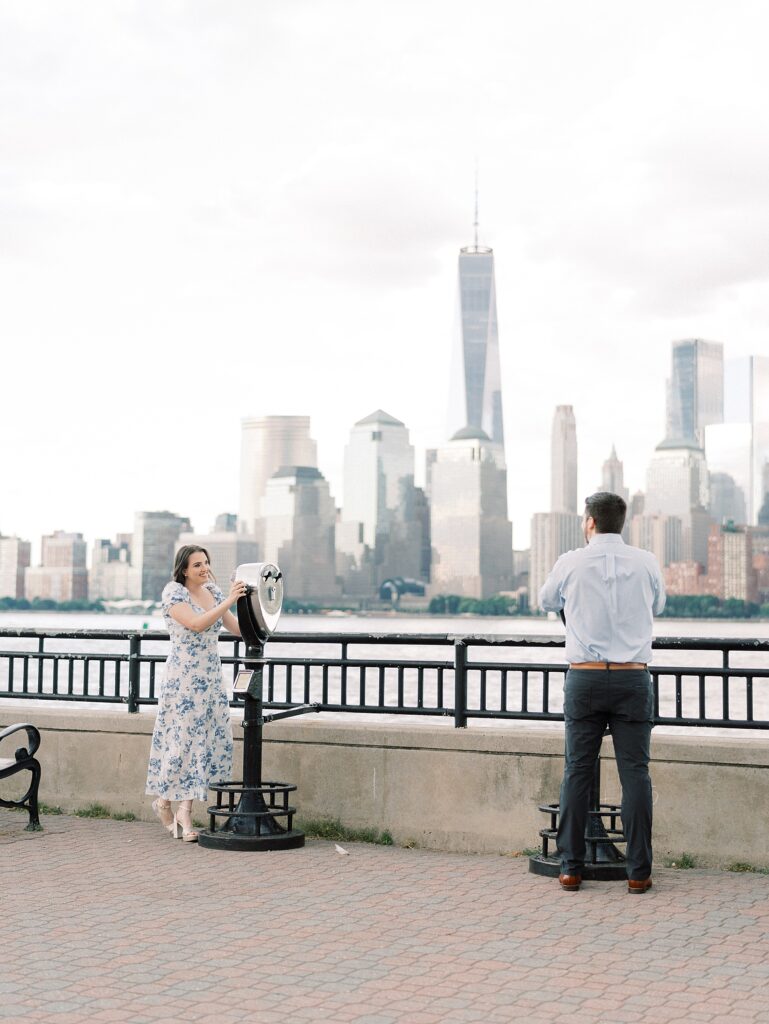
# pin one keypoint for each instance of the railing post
(134, 672)
(460, 684)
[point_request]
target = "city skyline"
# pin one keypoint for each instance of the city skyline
(175, 259)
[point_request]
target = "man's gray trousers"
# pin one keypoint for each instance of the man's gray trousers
(621, 699)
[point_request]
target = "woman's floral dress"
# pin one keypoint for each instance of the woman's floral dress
(192, 741)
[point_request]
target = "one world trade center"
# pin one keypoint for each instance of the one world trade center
(476, 387)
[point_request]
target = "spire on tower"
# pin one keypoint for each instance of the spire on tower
(475, 222)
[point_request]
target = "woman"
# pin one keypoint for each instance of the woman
(192, 741)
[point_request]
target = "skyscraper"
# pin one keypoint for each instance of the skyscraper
(267, 443)
(152, 551)
(381, 518)
(740, 445)
(552, 534)
(677, 485)
(695, 390)
(476, 382)
(299, 525)
(472, 538)
(613, 476)
(14, 559)
(563, 461)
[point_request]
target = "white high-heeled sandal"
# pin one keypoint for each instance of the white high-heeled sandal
(187, 835)
(159, 807)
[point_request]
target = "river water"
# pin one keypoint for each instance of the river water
(499, 690)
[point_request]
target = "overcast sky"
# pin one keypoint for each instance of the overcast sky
(225, 208)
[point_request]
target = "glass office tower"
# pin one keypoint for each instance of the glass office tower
(741, 446)
(476, 385)
(695, 389)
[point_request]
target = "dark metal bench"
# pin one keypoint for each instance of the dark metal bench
(23, 760)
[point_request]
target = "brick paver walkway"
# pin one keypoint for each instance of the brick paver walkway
(114, 921)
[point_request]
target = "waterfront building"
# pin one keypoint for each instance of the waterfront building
(684, 579)
(727, 499)
(760, 544)
(475, 398)
(731, 573)
(14, 560)
(62, 574)
(552, 535)
(226, 551)
(112, 576)
(695, 390)
(383, 515)
(267, 443)
(299, 527)
(521, 564)
(153, 547)
(662, 535)
(471, 534)
(677, 485)
(563, 461)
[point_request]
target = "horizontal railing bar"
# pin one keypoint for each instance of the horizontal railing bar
(278, 661)
(402, 640)
(68, 697)
(74, 656)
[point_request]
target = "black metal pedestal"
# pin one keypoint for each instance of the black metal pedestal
(603, 861)
(254, 824)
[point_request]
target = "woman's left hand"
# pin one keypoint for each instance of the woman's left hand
(237, 590)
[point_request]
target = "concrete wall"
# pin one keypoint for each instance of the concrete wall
(475, 790)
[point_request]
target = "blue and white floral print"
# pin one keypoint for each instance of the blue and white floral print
(192, 741)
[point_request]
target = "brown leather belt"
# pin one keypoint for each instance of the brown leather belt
(612, 666)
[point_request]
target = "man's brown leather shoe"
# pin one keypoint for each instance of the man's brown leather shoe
(570, 882)
(639, 886)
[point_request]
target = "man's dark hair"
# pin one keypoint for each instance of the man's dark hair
(608, 511)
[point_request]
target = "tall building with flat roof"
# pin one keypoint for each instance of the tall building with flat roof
(662, 535)
(62, 576)
(552, 535)
(740, 445)
(695, 390)
(382, 525)
(472, 538)
(563, 461)
(677, 484)
(299, 532)
(267, 443)
(14, 559)
(112, 576)
(730, 564)
(154, 544)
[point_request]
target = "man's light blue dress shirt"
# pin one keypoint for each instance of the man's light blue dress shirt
(610, 593)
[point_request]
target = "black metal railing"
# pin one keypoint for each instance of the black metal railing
(697, 682)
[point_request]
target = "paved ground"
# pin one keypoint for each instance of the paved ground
(114, 921)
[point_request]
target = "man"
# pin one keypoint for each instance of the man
(609, 593)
